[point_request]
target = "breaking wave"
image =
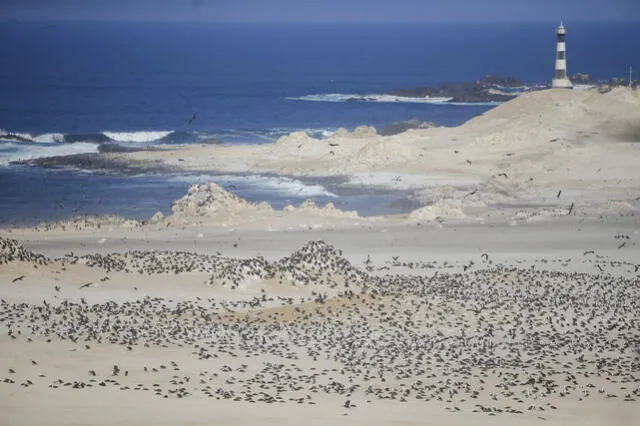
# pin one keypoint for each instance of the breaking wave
(136, 138)
(281, 186)
(140, 136)
(26, 146)
(345, 97)
(28, 151)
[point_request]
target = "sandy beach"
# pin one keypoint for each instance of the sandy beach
(510, 296)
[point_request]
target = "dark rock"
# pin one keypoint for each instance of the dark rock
(99, 162)
(468, 92)
(15, 138)
(114, 147)
(402, 126)
(579, 78)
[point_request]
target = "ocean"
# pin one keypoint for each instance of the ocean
(71, 86)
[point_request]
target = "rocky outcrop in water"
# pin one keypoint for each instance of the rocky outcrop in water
(15, 138)
(579, 78)
(488, 89)
(402, 126)
(93, 161)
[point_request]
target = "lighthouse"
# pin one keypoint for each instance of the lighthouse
(560, 79)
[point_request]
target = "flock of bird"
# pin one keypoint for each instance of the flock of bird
(302, 267)
(491, 339)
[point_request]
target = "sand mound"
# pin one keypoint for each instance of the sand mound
(316, 263)
(211, 201)
(293, 139)
(442, 209)
(329, 210)
(360, 132)
(12, 251)
(285, 155)
(541, 116)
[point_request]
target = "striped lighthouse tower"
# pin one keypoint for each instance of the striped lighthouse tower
(560, 79)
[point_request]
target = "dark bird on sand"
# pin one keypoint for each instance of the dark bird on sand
(334, 144)
(504, 175)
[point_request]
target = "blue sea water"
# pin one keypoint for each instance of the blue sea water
(72, 85)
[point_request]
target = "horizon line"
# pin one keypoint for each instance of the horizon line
(343, 22)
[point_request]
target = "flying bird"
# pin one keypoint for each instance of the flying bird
(192, 119)
(20, 278)
(570, 209)
(559, 192)
(86, 285)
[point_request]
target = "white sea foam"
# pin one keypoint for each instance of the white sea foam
(346, 97)
(20, 135)
(43, 138)
(269, 135)
(343, 97)
(49, 138)
(475, 103)
(141, 136)
(282, 186)
(584, 86)
(29, 151)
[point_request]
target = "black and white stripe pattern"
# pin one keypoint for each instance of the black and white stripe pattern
(560, 78)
